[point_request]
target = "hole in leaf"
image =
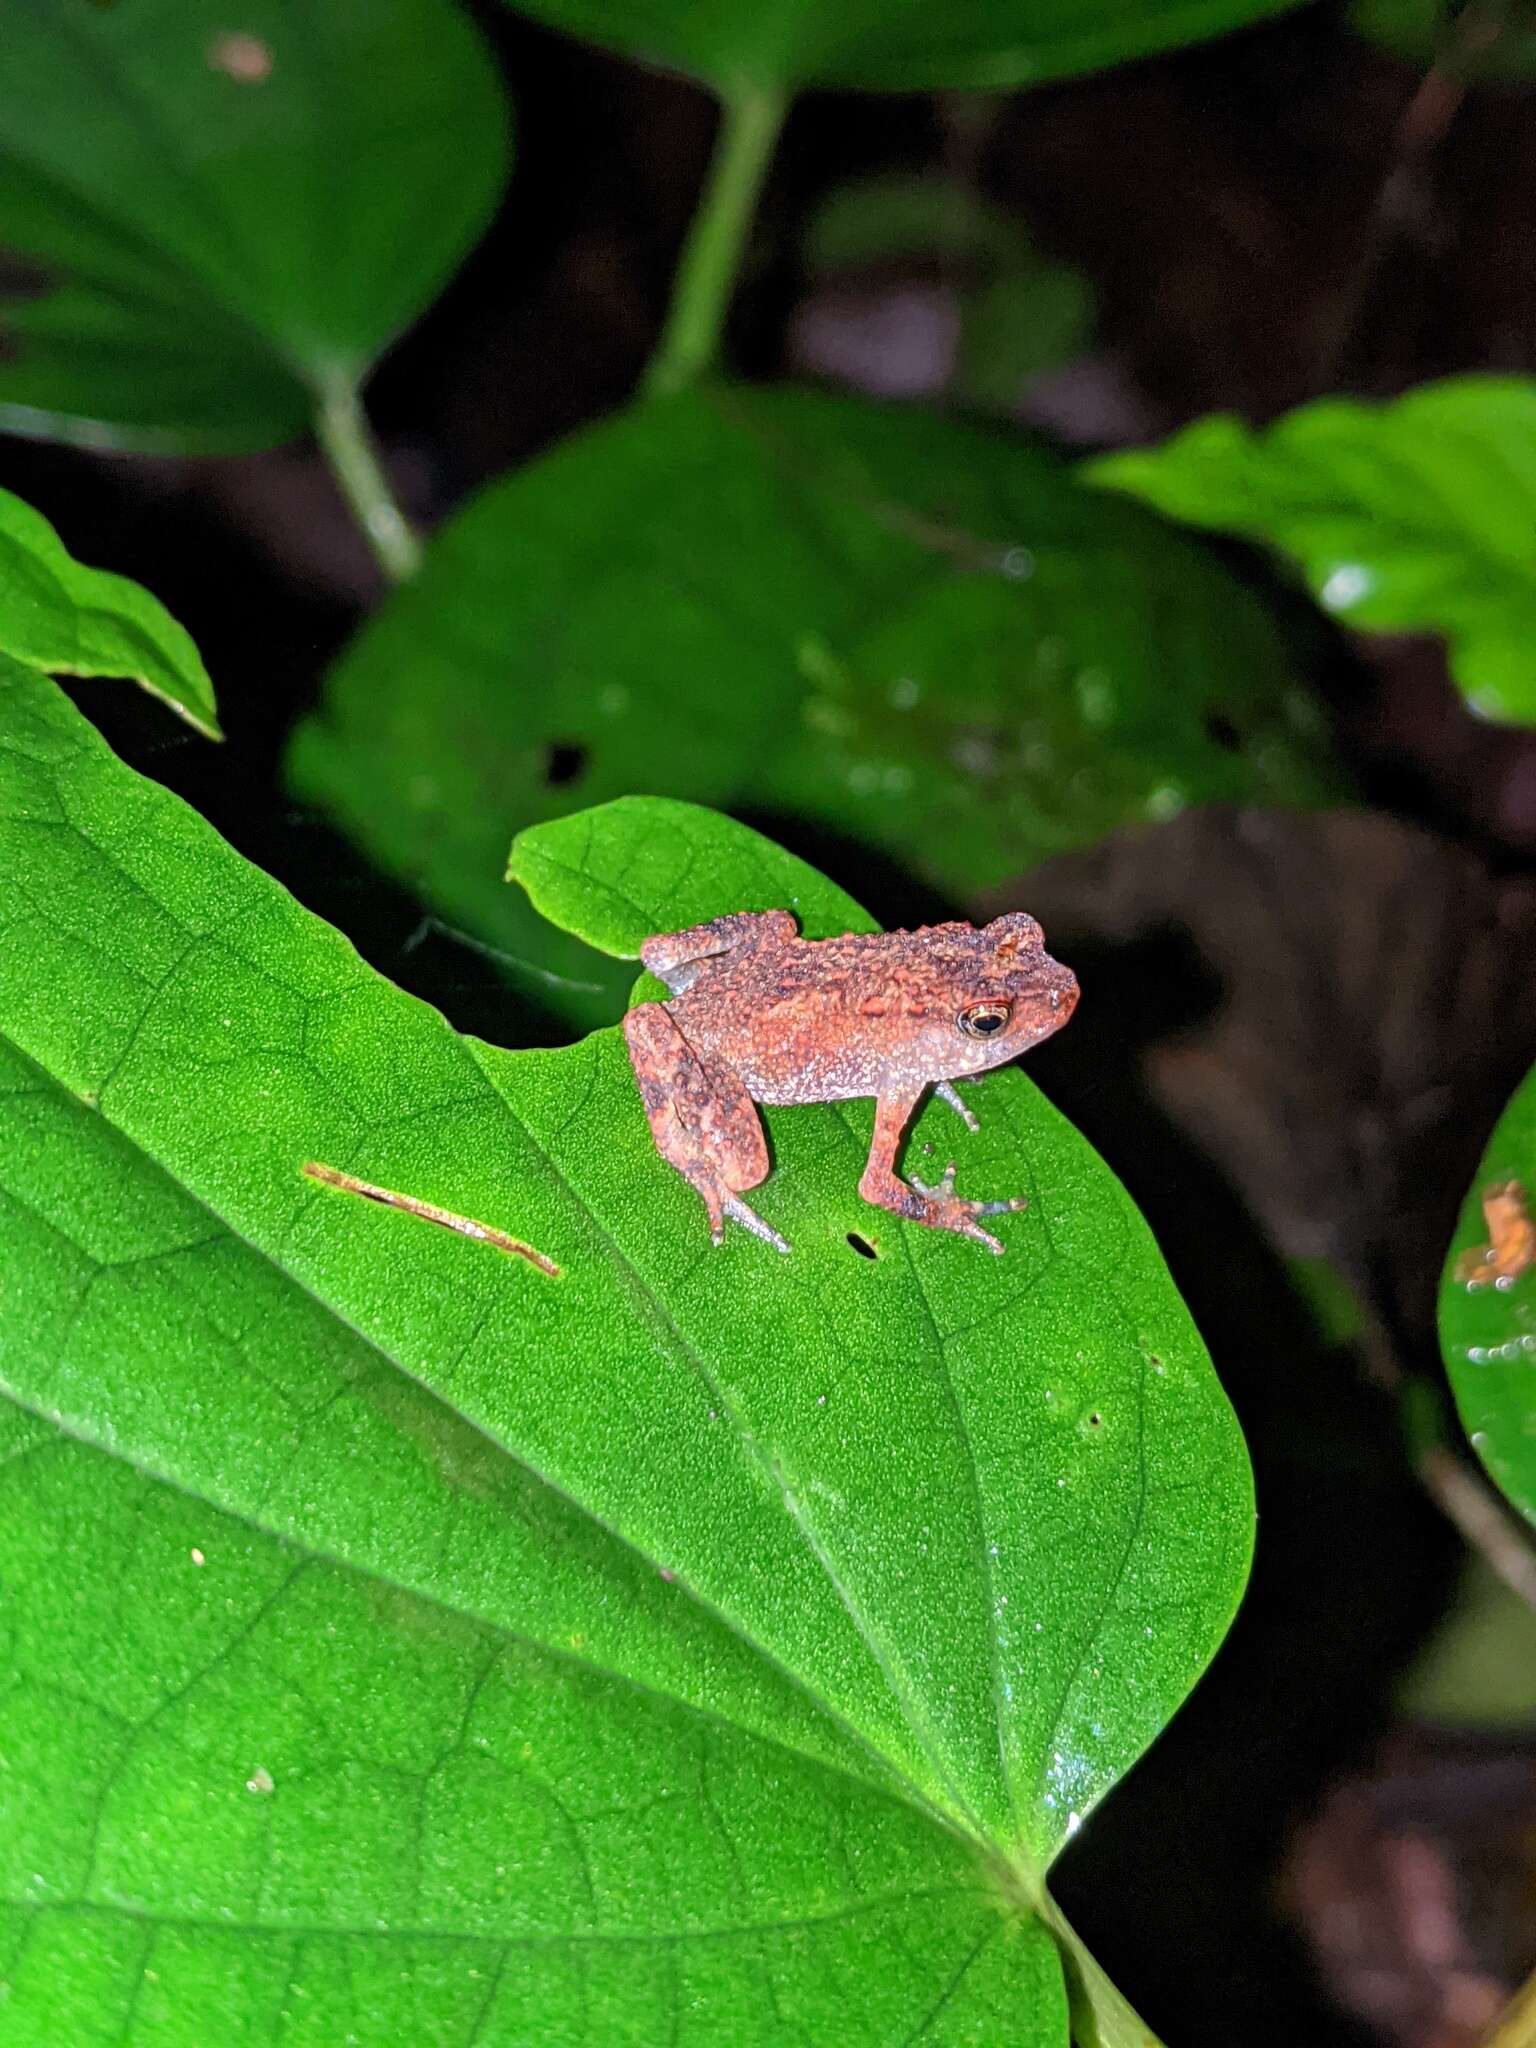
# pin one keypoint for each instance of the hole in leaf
(1095, 1420)
(862, 1246)
(1220, 728)
(564, 761)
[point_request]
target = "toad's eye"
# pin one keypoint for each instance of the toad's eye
(984, 1020)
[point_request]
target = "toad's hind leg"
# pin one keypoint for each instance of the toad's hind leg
(679, 958)
(702, 1118)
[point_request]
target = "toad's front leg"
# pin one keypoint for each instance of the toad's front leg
(939, 1206)
(702, 1118)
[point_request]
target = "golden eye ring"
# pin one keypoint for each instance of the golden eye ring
(984, 1020)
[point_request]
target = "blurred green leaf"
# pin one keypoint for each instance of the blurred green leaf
(904, 216)
(1478, 1670)
(59, 616)
(405, 1644)
(895, 45)
(1020, 313)
(1331, 1303)
(232, 212)
(1412, 517)
(896, 627)
(1488, 1330)
(1033, 316)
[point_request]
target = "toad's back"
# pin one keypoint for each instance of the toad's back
(804, 1020)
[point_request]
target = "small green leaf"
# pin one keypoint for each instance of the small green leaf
(1020, 313)
(1488, 1325)
(896, 45)
(232, 213)
(403, 1642)
(1411, 517)
(59, 616)
(617, 875)
(893, 626)
(902, 216)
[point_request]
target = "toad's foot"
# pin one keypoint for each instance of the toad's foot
(734, 1207)
(938, 1206)
(943, 1190)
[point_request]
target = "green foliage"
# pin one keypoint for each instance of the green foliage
(232, 213)
(895, 45)
(1488, 1332)
(1020, 313)
(59, 616)
(1410, 517)
(899, 627)
(1479, 1668)
(405, 1645)
(616, 875)
(897, 216)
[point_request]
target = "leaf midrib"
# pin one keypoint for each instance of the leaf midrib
(296, 1930)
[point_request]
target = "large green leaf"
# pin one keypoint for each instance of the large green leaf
(59, 616)
(407, 1645)
(1411, 517)
(901, 628)
(233, 210)
(896, 45)
(1487, 1323)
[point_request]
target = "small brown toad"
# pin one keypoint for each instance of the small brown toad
(758, 1014)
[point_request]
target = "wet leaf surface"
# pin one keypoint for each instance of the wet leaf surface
(1488, 1329)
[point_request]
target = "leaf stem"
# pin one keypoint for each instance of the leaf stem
(1403, 199)
(346, 440)
(1101, 2016)
(1467, 1500)
(750, 120)
(1516, 2025)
